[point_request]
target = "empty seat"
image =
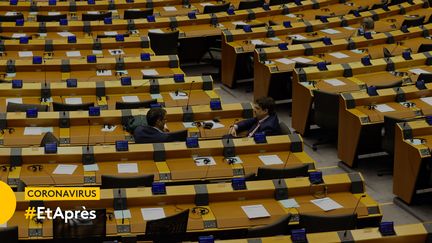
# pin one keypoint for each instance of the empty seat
(93, 17)
(164, 43)
(250, 4)
(137, 14)
(15, 107)
(324, 223)
(11, 18)
(50, 18)
(410, 22)
(216, 8)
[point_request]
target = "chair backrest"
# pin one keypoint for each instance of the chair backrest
(417, 21)
(396, 2)
(303, 41)
(109, 181)
(279, 227)
(49, 138)
(360, 9)
(50, 18)
(424, 48)
(324, 223)
(9, 234)
(164, 43)
(326, 110)
(72, 107)
(168, 229)
(135, 105)
(389, 134)
(216, 8)
(426, 77)
(137, 14)
(250, 4)
(284, 128)
(279, 2)
(266, 173)
(93, 17)
(178, 135)
(15, 107)
(376, 6)
(11, 18)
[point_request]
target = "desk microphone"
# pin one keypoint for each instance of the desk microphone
(121, 205)
(285, 164)
(190, 94)
(88, 136)
(353, 214)
(207, 163)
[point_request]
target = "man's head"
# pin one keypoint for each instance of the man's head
(156, 118)
(263, 106)
(368, 24)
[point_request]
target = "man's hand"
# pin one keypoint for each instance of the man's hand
(232, 131)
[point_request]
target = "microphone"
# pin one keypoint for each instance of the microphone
(207, 163)
(353, 213)
(121, 205)
(88, 136)
(190, 94)
(285, 164)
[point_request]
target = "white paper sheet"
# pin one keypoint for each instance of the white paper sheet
(25, 53)
(257, 42)
(180, 96)
(216, 124)
(199, 161)
(301, 59)
(255, 211)
(150, 72)
(170, 9)
(65, 169)
(155, 31)
(114, 52)
(349, 28)
(331, 31)
(238, 23)
(53, 13)
(427, 100)
(326, 204)
(110, 33)
(103, 72)
(91, 167)
(130, 98)
(108, 129)
(10, 75)
(334, 82)
(11, 13)
(122, 214)
(274, 39)
(418, 71)
(18, 35)
(270, 159)
(415, 141)
(156, 96)
(97, 52)
(73, 53)
(236, 160)
(357, 51)
(65, 34)
(289, 203)
(384, 108)
(127, 168)
(297, 37)
(37, 130)
(188, 124)
(73, 101)
(14, 100)
(285, 61)
(291, 15)
(206, 4)
(93, 12)
(339, 55)
(152, 213)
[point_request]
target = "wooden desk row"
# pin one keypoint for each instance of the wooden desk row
(224, 205)
(172, 162)
(80, 129)
(273, 69)
(361, 121)
(302, 87)
(415, 233)
(236, 43)
(412, 162)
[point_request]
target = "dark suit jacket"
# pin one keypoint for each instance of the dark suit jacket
(149, 134)
(270, 126)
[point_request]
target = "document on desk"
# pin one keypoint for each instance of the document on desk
(156, 96)
(331, 31)
(65, 169)
(291, 15)
(349, 28)
(110, 33)
(155, 31)
(189, 124)
(334, 82)
(289, 203)
(257, 42)
(297, 37)
(238, 23)
(53, 13)
(92, 12)
(215, 124)
(91, 167)
(114, 52)
(301, 59)
(418, 71)
(18, 35)
(127, 168)
(103, 72)
(170, 9)
(234, 160)
(270, 159)
(37, 130)
(339, 55)
(108, 128)
(427, 100)
(285, 61)
(14, 100)
(25, 53)
(73, 101)
(73, 53)
(384, 108)
(255, 211)
(97, 52)
(65, 34)
(274, 38)
(149, 72)
(130, 98)
(122, 214)
(326, 204)
(357, 51)
(11, 13)
(178, 96)
(152, 213)
(204, 160)
(206, 4)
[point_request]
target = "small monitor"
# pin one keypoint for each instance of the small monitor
(215, 104)
(145, 56)
(298, 236)
(366, 61)
(260, 137)
(192, 142)
(23, 40)
(81, 228)
(238, 183)
(37, 60)
(19, 22)
(283, 46)
(206, 239)
(322, 66)
(119, 37)
(151, 18)
(192, 15)
(94, 111)
(91, 2)
(73, 39)
(52, 2)
(122, 145)
(372, 91)
(107, 20)
(178, 78)
(63, 22)
(126, 81)
(316, 177)
(91, 59)
(32, 113)
(266, 7)
(17, 84)
(247, 28)
(406, 55)
(368, 35)
(230, 11)
(420, 84)
(13, 2)
(287, 24)
(71, 82)
(158, 188)
(50, 148)
(387, 228)
(327, 41)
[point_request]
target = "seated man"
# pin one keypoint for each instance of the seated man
(368, 25)
(265, 120)
(156, 131)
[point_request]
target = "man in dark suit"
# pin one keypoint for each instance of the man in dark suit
(265, 120)
(156, 130)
